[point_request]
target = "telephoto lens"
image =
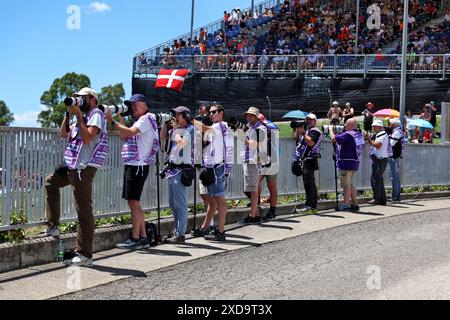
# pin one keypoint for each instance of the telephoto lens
(123, 110)
(71, 101)
(162, 118)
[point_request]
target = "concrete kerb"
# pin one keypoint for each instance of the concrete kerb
(40, 251)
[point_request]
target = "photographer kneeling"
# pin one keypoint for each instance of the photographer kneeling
(306, 155)
(349, 149)
(85, 153)
(179, 168)
(138, 153)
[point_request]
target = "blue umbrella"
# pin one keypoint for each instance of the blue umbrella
(297, 114)
(421, 123)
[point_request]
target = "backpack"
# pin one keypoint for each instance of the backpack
(152, 233)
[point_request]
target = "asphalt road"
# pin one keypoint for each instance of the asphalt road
(402, 257)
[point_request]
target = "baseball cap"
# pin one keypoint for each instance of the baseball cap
(395, 121)
(335, 103)
(311, 116)
(135, 98)
(377, 123)
(86, 91)
(181, 109)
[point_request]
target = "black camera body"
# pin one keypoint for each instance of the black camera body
(299, 124)
(235, 124)
(205, 120)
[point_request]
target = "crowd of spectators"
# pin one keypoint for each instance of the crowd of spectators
(302, 27)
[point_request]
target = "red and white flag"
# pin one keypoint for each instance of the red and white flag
(171, 79)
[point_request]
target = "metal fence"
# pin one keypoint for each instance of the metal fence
(29, 155)
(437, 65)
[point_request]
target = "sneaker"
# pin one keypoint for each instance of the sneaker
(218, 236)
(130, 244)
(213, 229)
(251, 220)
(79, 260)
(198, 233)
(270, 215)
(176, 240)
(374, 202)
(52, 232)
(343, 207)
(145, 244)
(354, 208)
(306, 210)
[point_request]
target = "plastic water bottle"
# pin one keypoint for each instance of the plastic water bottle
(60, 253)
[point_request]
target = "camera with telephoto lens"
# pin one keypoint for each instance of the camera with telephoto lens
(80, 101)
(336, 130)
(299, 124)
(123, 110)
(205, 120)
(162, 118)
(235, 124)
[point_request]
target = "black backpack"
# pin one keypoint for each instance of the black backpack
(152, 233)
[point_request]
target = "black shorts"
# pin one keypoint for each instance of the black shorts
(133, 182)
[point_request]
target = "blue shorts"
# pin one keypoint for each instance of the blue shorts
(217, 189)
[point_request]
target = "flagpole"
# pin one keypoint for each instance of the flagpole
(192, 26)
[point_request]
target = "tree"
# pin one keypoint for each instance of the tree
(6, 117)
(53, 99)
(112, 95)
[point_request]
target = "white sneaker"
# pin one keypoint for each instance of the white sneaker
(52, 232)
(79, 260)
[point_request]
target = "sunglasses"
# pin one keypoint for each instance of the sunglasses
(213, 112)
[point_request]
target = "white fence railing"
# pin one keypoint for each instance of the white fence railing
(28, 155)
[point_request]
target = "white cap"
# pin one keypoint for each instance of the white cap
(335, 103)
(85, 92)
(377, 123)
(311, 116)
(395, 122)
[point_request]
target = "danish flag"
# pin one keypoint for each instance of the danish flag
(171, 79)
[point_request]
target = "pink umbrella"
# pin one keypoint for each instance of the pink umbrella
(387, 113)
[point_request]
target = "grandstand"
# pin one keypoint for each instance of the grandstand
(304, 53)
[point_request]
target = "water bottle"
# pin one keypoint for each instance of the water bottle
(60, 253)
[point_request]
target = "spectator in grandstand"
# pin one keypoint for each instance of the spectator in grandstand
(86, 152)
(335, 114)
(138, 153)
(349, 149)
(396, 139)
(348, 112)
(379, 153)
(252, 161)
(368, 116)
(308, 152)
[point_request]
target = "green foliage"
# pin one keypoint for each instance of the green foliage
(18, 235)
(6, 117)
(53, 99)
(68, 227)
(112, 95)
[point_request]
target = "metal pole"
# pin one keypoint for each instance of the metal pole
(357, 22)
(252, 10)
(404, 61)
(192, 26)
(393, 97)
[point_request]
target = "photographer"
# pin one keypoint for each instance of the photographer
(349, 149)
(270, 173)
(179, 169)
(307, 153)
(138, 153)
(379, 153)
(217, 160)
(253, 160)
(396, 139)
(86, 152)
